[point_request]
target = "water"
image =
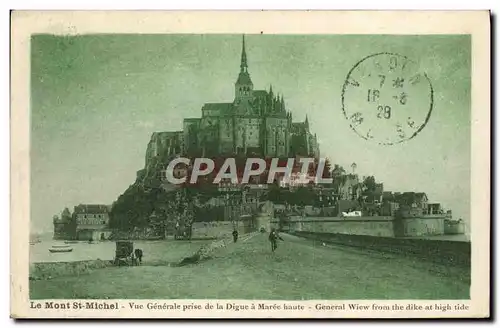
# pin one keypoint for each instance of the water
(82, 251)
(105, 250)
(153, 250)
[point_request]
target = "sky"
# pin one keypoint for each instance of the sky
(97, 99)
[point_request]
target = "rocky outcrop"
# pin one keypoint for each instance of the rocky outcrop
(149, 192)
(164, 144)
(205, 252)
(162, 147)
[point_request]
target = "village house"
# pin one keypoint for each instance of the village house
(389, 204)
(326, 196)
(350, 188)
(413, 200)
(375, 196)
(434, 208)
(92, 222)
(296, 180)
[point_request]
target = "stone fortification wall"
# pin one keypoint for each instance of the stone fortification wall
(447, 252)
(369, 226)
(222, 229)
(381, 226)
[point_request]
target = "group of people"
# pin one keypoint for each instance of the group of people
(273, 238)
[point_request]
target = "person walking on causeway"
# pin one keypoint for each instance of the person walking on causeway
(273, 238)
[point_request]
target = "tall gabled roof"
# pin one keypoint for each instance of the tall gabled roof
(244, 78)
(409, 198)
(91, 209)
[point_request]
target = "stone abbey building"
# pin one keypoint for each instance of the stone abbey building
(255, 123)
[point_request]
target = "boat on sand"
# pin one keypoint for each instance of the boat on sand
(60, 249)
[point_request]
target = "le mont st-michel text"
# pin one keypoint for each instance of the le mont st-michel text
(164, 306)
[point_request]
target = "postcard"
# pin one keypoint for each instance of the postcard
(250, 164)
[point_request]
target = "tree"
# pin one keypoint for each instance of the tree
(339, 175)
(305, 196)
(274, 193)
(370, 183)
(338, 170)
(133, 208)
(302, 196)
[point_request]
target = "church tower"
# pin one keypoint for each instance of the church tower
(243, 86)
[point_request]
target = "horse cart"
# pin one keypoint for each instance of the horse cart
(124, 254)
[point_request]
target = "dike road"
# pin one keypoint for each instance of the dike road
(300, 269)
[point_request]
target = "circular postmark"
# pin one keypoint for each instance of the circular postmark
(387, 98)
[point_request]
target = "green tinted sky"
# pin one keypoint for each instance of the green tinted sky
(97, 99)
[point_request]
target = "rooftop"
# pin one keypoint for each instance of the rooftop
(244, 78)
(91, 209)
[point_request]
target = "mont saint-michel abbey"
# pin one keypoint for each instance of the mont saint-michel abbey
(255, 123)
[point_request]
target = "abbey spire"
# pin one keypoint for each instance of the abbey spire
(243, 86)
(243, 65)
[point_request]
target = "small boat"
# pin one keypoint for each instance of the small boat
(71, 242)
(60, 249)
(34, 239)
